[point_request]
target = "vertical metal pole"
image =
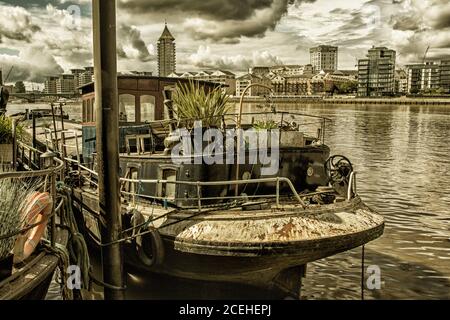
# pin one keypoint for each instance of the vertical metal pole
(14, 144)
(362, 272)
(34, 139)
(106, 98)
(63, 137)
(55, 143)
(53, 218)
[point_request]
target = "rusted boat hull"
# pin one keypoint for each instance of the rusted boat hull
(31, 282)
(253, 248)
(259, 270)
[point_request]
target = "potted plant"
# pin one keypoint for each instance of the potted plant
(290, 136)
(193, 102)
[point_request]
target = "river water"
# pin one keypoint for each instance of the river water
(402, 156)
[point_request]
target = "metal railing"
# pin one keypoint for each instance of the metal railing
(51, 173)
(351, 191)
(200, 184)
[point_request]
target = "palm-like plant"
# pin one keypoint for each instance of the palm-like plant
(192, 102)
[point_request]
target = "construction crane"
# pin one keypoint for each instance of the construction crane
(425, 55)
(9, 73)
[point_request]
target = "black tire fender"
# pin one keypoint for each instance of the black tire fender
(151, 241)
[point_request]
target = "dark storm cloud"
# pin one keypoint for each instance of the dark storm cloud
(442, 20)
(16, 24)
(131, 36)
(223, 21)
(214, 9)
(32, 64)
(406, 23)
(253, 26)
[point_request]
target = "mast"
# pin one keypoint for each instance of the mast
(106, 99)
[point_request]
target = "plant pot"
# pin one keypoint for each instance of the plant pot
(291, 139)
(6, 153)
(6, 266)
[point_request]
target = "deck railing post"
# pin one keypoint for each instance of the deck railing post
(14, 143)
(278, 192)
(53, 218)
(199, 200)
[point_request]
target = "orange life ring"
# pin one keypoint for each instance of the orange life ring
(35, 211)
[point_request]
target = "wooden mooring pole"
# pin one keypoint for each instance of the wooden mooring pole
(106, 99)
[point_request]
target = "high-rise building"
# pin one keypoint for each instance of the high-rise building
(166, 53)
(87, 76)
(445, 75)
(423, 76)
(324, 58)
(65, 84)
(429, 76)
(50, 85)
(376, 74)
(401, 81)
(78, 73)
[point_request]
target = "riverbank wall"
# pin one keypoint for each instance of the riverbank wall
(360, 101)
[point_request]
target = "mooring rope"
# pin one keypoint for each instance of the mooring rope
(362, 272)
(77, 248)
(63, 263)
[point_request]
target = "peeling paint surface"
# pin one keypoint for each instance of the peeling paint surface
(293, 228)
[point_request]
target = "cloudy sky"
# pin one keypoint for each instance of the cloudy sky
(44, 37)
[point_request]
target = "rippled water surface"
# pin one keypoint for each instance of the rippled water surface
(402, 156)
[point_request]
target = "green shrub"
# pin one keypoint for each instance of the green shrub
(6, 130)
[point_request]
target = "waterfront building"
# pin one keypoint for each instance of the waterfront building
(137, 73)
(223, 77)
(401, 81)
(423, 77)
(259, 71)
(65, 84)
(293, 70)
(50, 85)
(78, 73)
(291, 86)
(324, 58)
(86, 77)
(445, 75)
(243, 81)
(166, 53)
(376, 74)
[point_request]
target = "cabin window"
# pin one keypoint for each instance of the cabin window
(147, 108)
(127, 108)
(168, 190)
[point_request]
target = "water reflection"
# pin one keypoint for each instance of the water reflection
(401, 154)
